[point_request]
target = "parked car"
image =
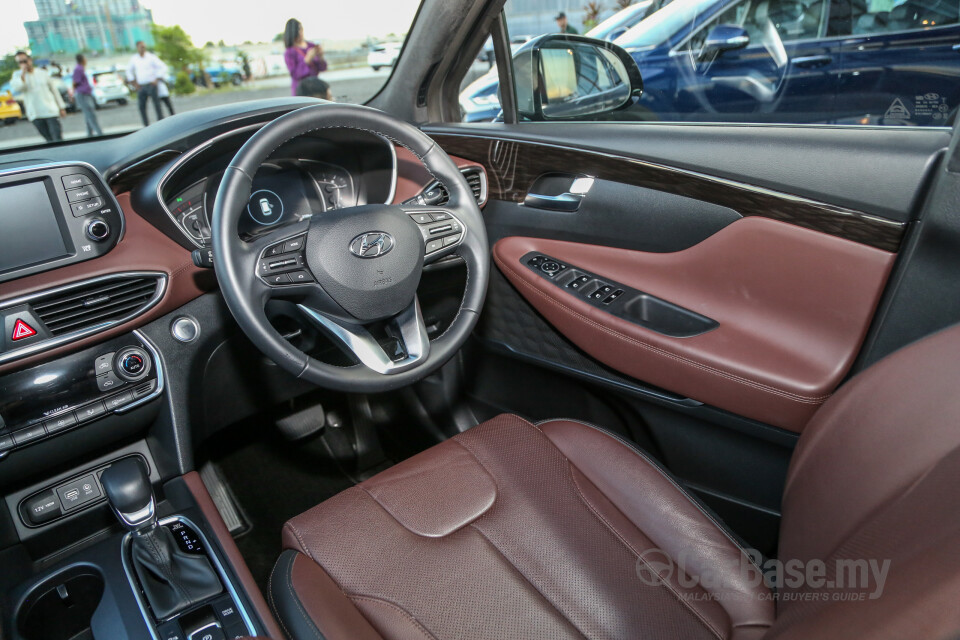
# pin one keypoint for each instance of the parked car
(10, 111)
(384, 54)
(219, 74)
(791, 62)
(620, 22)
(479, 101)
(109, 87)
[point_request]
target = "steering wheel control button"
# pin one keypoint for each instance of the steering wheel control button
(422, 218)
(97, 230)
(185, 329)
(293, 244)
(275, 250)
(299, 277)
(434, 245)
(60, 422)
(90, 412)
(278, 278)
(451, 240)
(74, 181)
(437, 217)
(83, 193)
(108, 382)
(85, 207)
(265, 207)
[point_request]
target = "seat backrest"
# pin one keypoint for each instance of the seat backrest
(874, 483)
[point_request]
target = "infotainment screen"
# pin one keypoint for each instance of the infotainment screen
(29, 232)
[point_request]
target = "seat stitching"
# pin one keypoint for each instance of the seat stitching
(656, 467)
(288, 583)
(803, 399)
(416, 623)
(640, 557)
(303, 545)
(528, 581)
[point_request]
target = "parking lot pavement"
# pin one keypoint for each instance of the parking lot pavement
(347, 85)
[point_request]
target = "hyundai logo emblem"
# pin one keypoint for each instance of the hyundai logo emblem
(372, 244)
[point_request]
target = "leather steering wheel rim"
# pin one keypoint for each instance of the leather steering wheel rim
(236, 260)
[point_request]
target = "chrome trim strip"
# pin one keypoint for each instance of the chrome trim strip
(214, 557)
(161, 377)
(366, 348)
(73, 336)
(136, 520)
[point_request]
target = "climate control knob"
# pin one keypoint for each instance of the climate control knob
(131, 364)
(97, 230)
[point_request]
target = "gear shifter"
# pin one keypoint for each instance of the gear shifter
(171, 579)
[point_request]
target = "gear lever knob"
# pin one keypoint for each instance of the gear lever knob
(129, 493)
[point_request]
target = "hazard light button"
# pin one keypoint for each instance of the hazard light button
(22, 331)
(21, 328)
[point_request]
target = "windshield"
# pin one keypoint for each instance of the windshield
(73, 69)
(664, 24)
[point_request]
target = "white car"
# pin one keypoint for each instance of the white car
(384, 54)
(109, 87)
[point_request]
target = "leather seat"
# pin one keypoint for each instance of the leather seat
(561, 530)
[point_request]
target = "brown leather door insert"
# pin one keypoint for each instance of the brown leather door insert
(793, 306)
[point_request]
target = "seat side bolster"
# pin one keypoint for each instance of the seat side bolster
(676, 525)
(311, 606)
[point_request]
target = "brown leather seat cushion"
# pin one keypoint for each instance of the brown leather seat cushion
(514, 530)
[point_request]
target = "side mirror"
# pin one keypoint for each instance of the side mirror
(723, 37)
(563, 77)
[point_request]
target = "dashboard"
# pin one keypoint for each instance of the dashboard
(305, 177)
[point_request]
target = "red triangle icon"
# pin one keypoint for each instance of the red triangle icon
(22, 330)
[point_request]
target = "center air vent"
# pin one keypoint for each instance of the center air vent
(96, 304)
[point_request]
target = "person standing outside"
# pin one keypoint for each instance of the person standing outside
(163, 94)
(41, 97)
(83, 95)
(304, 59)
(564, 25)
(144, 72)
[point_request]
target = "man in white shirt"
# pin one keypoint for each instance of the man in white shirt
(41, 97)
(144, 72)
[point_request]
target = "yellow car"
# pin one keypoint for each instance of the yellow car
(10, 110)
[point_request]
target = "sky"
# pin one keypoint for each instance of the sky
(235, 21)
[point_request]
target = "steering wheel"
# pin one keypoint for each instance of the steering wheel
(356, 267)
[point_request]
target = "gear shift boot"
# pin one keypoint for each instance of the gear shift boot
(171, 579)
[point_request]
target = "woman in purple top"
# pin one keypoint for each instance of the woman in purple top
(304, 59)
(83, 96)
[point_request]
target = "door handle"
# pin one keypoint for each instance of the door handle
(812, 61)
(563, 202)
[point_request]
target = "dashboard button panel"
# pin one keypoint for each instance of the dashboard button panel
(76, 390)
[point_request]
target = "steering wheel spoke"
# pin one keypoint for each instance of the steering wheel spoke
(406, 330)
(441, 229)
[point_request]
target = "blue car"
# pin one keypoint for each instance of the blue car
(815, 61)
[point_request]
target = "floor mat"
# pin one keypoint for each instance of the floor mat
(274, 480)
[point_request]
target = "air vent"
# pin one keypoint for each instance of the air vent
(476, 178)
(97, 303)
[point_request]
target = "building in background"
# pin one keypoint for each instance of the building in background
(102, 26)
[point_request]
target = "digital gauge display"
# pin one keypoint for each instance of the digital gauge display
(189, 210)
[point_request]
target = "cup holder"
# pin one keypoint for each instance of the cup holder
(61, 607)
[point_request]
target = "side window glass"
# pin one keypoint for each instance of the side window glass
(868, 17)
